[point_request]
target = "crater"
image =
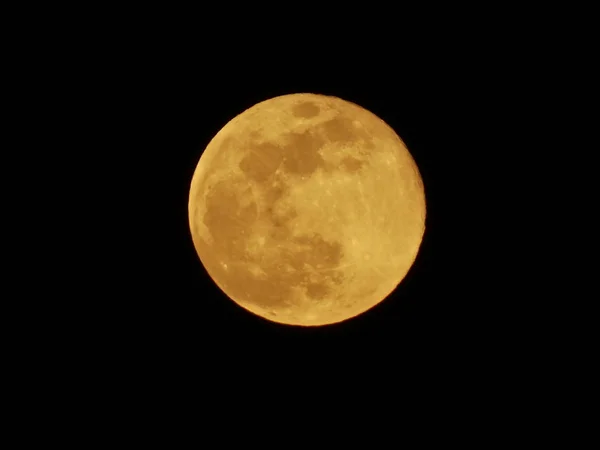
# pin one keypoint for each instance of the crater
(340, 129)
(344, 130)
(273, 193)
(350, 164)
(261, 161)
(279, 232)
(300, 254)
(227, 216)
(255, 135)
(225, 149)
(316, 252)
(305, 261)
(302, 153)
(317, 291)
(305, 110)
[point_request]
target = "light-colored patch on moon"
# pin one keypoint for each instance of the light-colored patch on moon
(307, 209)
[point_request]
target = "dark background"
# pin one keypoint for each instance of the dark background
(134, 324)
(150, 101)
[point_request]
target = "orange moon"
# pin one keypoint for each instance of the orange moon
(307, 209)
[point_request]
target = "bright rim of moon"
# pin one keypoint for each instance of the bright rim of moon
(307, 209)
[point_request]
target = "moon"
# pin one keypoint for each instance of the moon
(307, 209)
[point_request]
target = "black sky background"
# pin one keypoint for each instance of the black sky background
(447, 313)
(142, 310)
(123, 329)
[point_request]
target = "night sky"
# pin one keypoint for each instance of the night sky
(456, 312)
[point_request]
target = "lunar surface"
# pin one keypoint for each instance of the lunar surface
(307, 209)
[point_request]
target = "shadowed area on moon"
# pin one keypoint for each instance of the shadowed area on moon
(305, 110)
(293, 257)
(255, 254)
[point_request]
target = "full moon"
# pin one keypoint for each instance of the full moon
(307, 209)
